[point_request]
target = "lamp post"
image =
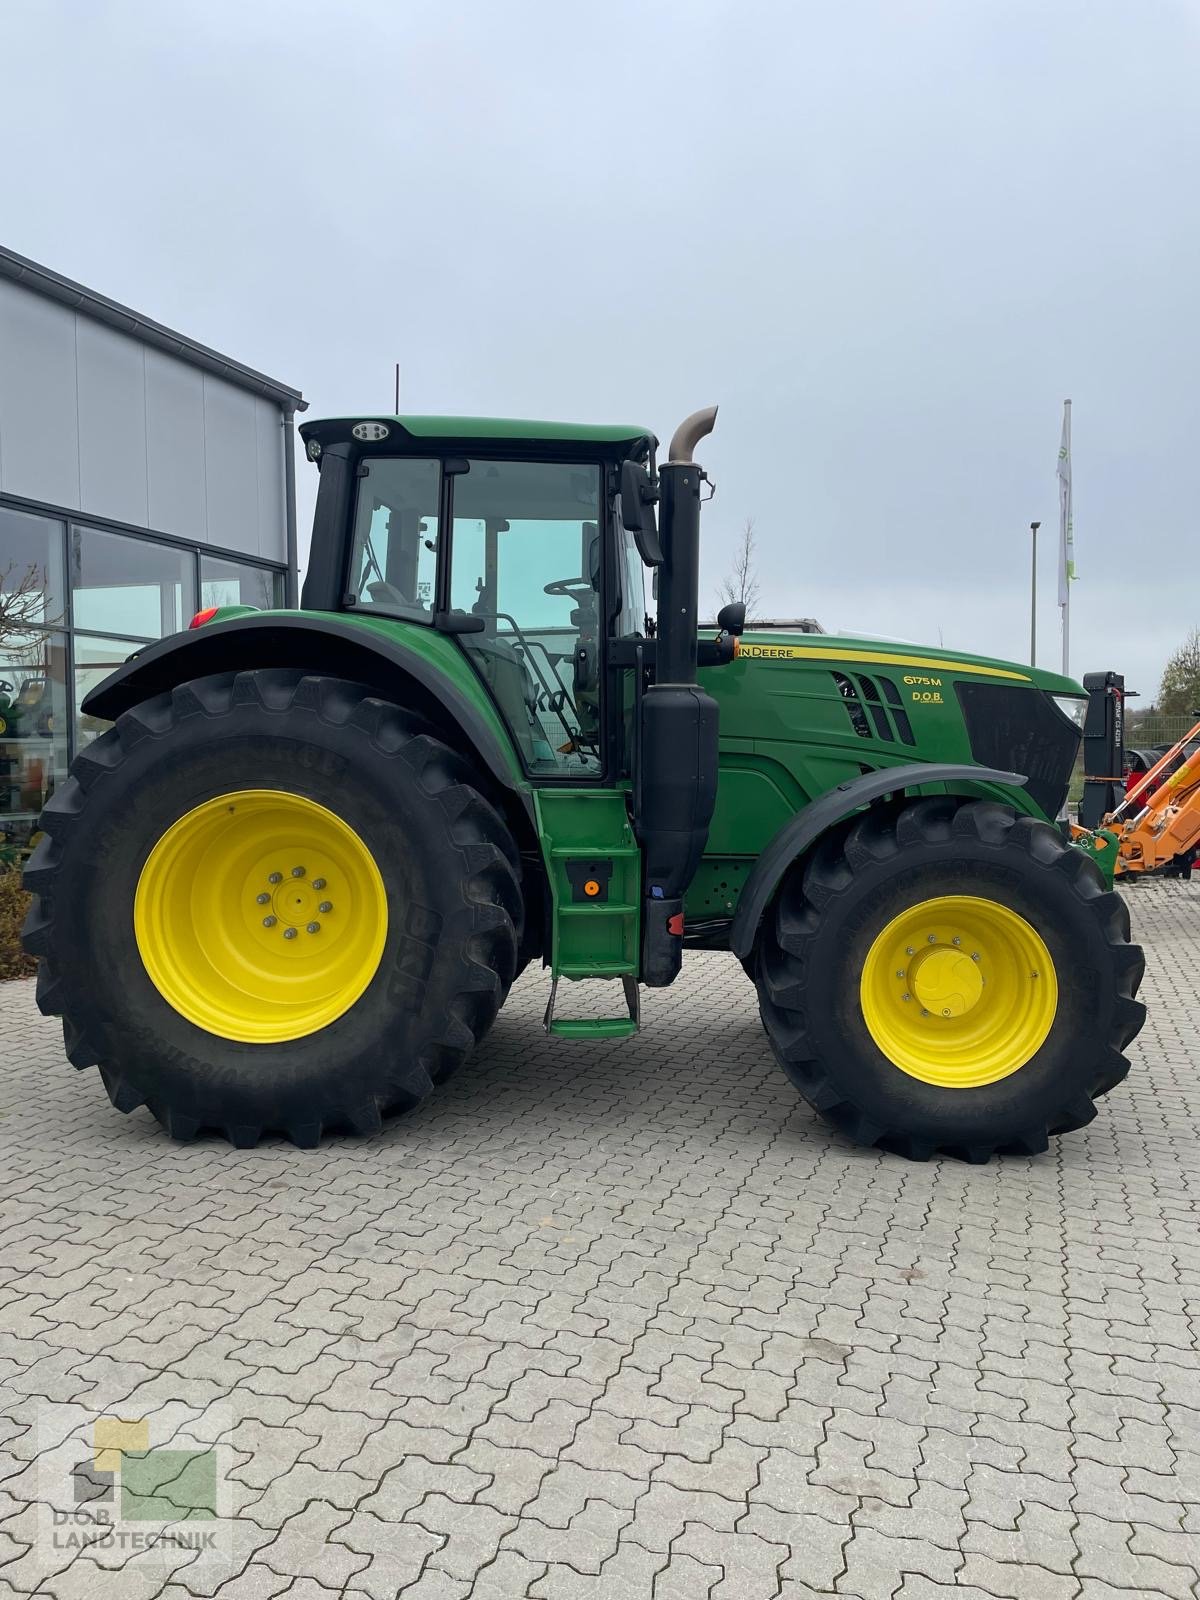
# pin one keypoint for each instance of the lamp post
(1033, 528)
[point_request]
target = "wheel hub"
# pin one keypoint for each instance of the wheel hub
(295, 902)
(946, 982)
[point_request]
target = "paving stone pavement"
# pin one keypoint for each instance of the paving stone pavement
(625, 1322)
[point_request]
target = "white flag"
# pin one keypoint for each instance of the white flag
(1066, 528)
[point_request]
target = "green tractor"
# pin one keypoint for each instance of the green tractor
(292, 886)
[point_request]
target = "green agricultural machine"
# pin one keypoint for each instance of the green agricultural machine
(291, 888)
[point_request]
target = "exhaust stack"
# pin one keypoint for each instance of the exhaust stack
(678, 752)
(679, 576)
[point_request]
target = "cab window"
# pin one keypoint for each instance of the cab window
(526, 558)
(394, 554)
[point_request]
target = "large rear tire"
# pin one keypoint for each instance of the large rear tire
(272, 903)
(949, 976)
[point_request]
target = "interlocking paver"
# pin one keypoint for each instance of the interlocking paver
(625, 1322)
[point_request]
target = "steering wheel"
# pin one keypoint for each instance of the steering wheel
(6, 687)
(569, 588)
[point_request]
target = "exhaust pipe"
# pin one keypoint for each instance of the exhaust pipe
(689, 434)
(679, 525)
(677, 747)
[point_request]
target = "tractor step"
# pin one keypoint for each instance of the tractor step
(595, 879)
(595, 1027)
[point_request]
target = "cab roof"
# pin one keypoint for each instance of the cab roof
(609, 440)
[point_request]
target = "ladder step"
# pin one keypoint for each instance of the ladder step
(595, 908)
(593, 1027)
(596, 969)
(623, 852)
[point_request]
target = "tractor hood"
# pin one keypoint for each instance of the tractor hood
(845, 705)
(779, 645)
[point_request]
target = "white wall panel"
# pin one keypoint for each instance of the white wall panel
(39, 425)
(112, 423)
(175, 446)
(231, 465)
(93, 420)
(272, 538)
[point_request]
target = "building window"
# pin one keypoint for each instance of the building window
(31, 582)
(96, 659)
(75, 603)
(129, 587)
(233, 583)
(33, 727)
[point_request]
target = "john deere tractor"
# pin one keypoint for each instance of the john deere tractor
(291, 888)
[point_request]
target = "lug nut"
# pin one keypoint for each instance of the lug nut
(974, 955)
(909, 951)
(924, 1013)
(900, 974)
(297, 872)
(263, 899)
(326, 905)
(314, 927)
(906, 997)
(933, 938)
(289, 933)
(268, 922)
(276, 877)
(956, 940)
(318, 883)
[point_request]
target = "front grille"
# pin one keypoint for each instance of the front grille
(869, 716)
(1021, 730)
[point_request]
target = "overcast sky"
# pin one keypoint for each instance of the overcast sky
(888, 238)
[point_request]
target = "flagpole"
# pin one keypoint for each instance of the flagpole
(1066, 538)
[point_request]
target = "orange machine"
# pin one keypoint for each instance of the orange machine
(1165, 828)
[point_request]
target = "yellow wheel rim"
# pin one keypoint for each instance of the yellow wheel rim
(959, 991)
(260, 916)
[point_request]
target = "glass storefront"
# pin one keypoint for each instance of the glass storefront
(75, 602)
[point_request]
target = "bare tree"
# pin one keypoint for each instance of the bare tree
(22, 607)
(1180, 688)
(742, 582)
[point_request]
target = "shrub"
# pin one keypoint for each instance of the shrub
(14, 903)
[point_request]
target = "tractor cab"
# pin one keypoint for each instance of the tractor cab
(515, 546)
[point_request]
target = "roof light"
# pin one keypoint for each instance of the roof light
(204, 616)
(370, 432)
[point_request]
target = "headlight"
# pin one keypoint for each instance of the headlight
(1072, 706)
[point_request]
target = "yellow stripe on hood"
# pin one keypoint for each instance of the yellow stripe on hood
(751, 650)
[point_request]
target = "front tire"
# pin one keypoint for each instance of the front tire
(228, 989)
(949, 976)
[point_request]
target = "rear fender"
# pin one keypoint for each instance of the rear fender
(802, 831)
(326, 645)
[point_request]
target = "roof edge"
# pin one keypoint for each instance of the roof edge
(53, 286)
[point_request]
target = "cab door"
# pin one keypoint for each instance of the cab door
(526, 559)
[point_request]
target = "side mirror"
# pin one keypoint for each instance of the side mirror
(732, 618)
(638, 495)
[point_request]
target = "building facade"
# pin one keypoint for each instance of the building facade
(143, 476)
